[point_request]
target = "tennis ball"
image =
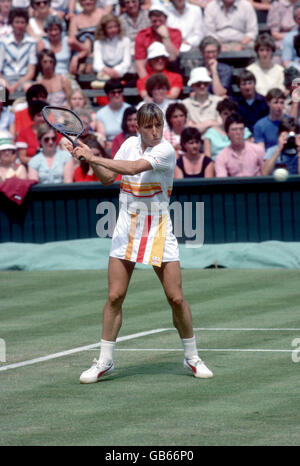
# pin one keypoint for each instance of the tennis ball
(281, 174)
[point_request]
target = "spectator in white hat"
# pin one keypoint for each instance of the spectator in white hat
(8, 167)
(157, 61)
(158, 32)
(201, 105)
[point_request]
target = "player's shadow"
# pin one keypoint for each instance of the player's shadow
(160, 368)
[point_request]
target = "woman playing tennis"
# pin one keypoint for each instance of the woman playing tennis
(143, 233)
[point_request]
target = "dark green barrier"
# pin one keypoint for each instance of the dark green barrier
(235, 210)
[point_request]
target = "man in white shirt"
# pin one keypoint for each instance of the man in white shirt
(232, 22)
(189, 20)
(18, 57)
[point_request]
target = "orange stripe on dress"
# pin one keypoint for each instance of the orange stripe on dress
(144, 239)
(131, 235)
(141, 190)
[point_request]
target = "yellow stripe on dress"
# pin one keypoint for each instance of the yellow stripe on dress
(131, 235)
(159, 242)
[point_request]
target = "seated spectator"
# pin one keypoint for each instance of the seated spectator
(192, 163)
(292, 83)
(286, 152)
(50, 165)
(109, 117)
(268, 74)
(41, 10)
(232, 22)
(84, 172)
(240, 158)
(28, 134)
(83, 25)
(201, 106)
(220, 73)
(280, 20)
(7, 118)
(5, 27)
(176, 118)
(60, 44)
(17, 53)
(78, 99)
(296, 62)
(188, 19)
(8, 166)
(288, 50)
(215, 138)
(157, 62)
(57, 85)
(157, 32)
(157, 87)
(129, 128)
(251, 105)
(133, 19)
(112, 57)
(265, 130)
(21, 109)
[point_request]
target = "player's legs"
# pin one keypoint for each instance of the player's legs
(119, 275)
(170, 276)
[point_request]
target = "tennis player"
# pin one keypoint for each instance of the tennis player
(143, 233)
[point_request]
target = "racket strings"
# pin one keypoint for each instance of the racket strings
(63, 120)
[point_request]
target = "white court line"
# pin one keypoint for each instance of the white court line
(142, 334)
(77, 350)
(241, 350)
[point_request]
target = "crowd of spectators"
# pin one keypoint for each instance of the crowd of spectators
(223, 121)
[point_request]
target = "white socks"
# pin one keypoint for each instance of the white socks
(189, 347)
(107, 351)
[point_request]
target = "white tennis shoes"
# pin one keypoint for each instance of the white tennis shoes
(197, 366)
(98, 370)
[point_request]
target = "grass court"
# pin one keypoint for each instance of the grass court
(246, 324)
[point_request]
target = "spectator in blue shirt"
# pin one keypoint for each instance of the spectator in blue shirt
(220, 73)
(286, 152)
(251, 105)
(265, 131)
(288, 50)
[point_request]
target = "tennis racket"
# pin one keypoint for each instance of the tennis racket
(65, 122)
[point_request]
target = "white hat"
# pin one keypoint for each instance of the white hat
(198, 75)
(6, 141)
(156, 49)
(158, 7)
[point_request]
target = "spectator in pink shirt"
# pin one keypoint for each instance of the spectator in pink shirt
(241, 158)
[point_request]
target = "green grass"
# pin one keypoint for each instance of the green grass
(150, 400)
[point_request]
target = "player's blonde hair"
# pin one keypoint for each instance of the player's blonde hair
(148, 113)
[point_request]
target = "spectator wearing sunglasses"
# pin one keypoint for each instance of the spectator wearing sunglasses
(110, 116)
(50, 165)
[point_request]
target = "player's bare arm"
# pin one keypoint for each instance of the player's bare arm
(106, 169)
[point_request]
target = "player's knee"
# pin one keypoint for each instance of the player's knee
(176, 300)
(116, 298)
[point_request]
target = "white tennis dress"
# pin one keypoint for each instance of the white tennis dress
(144, 231)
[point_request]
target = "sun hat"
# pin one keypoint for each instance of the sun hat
(156, 49)
(158, 7)
(199, 74)
(6, 141)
